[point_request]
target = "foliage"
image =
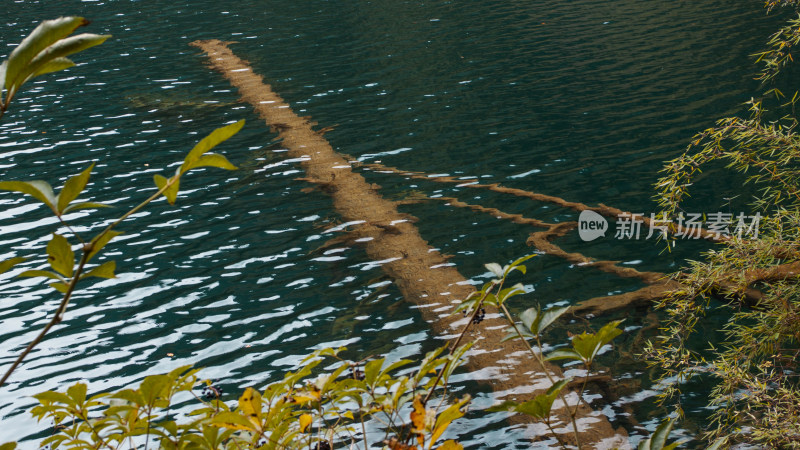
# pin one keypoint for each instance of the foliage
(44, 51)
(658, 441)
(754, 368)
(585, 347)
(314, 407)
(287, 412)
(309, 408)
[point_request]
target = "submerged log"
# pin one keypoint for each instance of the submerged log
(422, 275)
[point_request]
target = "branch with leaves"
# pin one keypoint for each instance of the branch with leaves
(60, 253)
(45, 50)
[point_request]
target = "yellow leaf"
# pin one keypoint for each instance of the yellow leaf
(231, 421)
(313, 395)
(418, 415)
(250, 406)
(447, 416)
(305, 422)
(349, 415)
(450, 445)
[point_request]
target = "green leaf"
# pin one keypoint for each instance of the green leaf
(447, 416)
(609, 331)
(455, 361)
(429, 363)
(531, 318)
(213, 160)
(61, 48)
(495, 268)
(468, 304)
(44, 35)
(538, 407)
(3, 67)
(73, 188)
(54, 65)
(659, 438)
(521, 260)
(54, 397)
(558, 386)
(84, 205)
(508, 405)
(207, 143)
(77, 392)
(8, 446)
(395, 365)
(586, 345)
(60, 287)
(105, 270)
(232, 421)
(171, 191)
(40, 190)
(551, 315)
(154, 387)
(564, 354)
(507, 293)
(130, 396)
(512, 334)
(6, 265)
(41, 273)
(516, 265)
(101, 240)
(371, 371)
(60, 255)
(491, 299)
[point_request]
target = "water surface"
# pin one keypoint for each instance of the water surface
(583, 100)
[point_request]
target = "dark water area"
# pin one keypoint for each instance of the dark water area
(582, 100)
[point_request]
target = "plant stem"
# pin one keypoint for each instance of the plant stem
(364, 432)
(57, 318)
(580, 393)
(458, 341)
(96, 435)
(87, 249)
(541, 360)
(170, 182)
(147, 432)
(558, 438)
(77, 236)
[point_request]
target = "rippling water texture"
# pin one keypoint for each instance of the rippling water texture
(580, 99)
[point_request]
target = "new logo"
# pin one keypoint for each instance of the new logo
(591, 225)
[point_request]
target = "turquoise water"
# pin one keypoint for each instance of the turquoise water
(579, 99)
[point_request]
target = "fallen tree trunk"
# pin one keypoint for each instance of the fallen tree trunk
(732, 286)
(604, 210)
(422, 274)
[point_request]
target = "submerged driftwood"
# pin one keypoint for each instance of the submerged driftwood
(420, 272)
(736, 287)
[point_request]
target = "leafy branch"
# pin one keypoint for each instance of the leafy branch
(44, 51)
(61, 257)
